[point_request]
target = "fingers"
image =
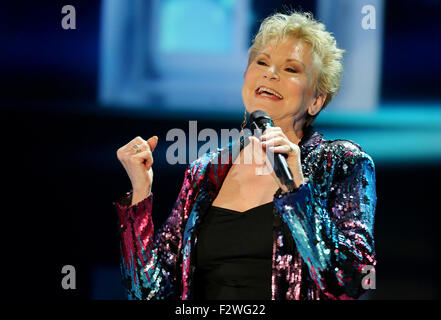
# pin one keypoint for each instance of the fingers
(281, 145)
(129, 149)
(135, 147)
(140, 142)
(271, 132)
(284, 148)
(277, 144)
(144, 156)
(276, 141)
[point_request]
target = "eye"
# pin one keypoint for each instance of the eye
(291, 70)
(262, 63)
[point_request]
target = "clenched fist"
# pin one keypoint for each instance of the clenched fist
(136, 158)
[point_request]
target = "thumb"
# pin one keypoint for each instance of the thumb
(152, 142)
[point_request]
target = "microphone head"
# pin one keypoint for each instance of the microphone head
(260, 119)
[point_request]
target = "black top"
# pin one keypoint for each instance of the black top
(234, 254)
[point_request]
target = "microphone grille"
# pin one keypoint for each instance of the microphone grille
(259, 114)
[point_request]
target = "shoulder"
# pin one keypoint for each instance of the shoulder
(347, 154)
(199, 166)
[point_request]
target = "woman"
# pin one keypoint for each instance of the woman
(235, 234)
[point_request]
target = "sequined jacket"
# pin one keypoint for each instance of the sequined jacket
(329, 219)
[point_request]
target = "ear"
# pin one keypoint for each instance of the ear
(317, 104)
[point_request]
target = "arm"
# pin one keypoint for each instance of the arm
(148, 259)
(335, 235)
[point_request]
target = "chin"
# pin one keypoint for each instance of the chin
(267, 109)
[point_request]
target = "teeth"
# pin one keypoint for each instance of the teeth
(262, 89)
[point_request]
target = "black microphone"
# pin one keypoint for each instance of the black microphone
(261, 120)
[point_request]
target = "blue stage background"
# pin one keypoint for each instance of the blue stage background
(61, 134)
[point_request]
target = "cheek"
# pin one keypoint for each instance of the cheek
(249, 83)
(296, 88)
(250, 78)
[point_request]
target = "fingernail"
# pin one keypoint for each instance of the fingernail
(156, 137)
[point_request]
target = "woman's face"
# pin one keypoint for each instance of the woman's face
(280, 80)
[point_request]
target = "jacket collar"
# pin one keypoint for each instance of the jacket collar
(311, 139)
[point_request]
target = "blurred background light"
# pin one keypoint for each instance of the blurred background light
(188, 57)
(174, 55)
(143, 67)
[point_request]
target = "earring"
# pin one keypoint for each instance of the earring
(244, 122)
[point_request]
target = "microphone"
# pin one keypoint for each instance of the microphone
(261, 120)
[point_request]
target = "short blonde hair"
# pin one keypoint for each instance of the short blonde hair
(326, 56)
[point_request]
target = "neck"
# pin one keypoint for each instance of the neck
(293, 131)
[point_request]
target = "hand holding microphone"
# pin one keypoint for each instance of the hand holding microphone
(283, 155)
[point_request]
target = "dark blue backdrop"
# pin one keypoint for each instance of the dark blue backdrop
(62, 173)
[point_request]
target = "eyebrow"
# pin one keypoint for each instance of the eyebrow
(289, 60)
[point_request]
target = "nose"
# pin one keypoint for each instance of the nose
(271, 73)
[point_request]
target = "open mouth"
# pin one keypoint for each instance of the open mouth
(268, 92)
